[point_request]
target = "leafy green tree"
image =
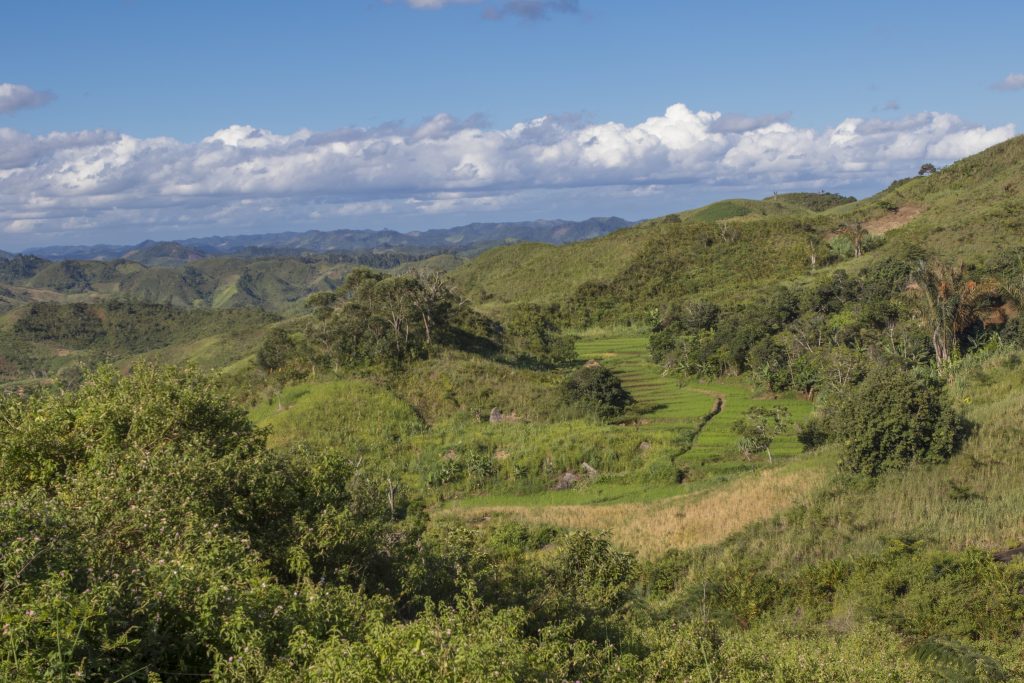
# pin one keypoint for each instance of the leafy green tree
(758, 428)
(685, 341)
(533, 330)
(599, 389)
(769, 361)
(591, 579)
(277, 350)
(891, 419)
(378, 319)
(763, 317)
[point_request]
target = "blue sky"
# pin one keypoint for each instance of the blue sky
(540, 108)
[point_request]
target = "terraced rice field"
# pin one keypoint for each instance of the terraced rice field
(682, 404)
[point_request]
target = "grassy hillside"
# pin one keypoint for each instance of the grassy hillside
(971, 208)
(974, 207)
(528, 272)
(719, 248)
(40, 339)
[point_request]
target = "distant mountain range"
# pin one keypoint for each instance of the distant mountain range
(465, 238)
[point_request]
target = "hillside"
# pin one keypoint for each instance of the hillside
(972, 208)
(40, 339)
(463, 238)
(739, 242)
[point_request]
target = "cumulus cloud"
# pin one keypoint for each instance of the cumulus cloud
(241, 177)
(14, 97)
(532, 10)
(740, 123)
(1011, 82)
(438, 4)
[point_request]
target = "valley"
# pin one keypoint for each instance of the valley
(761, 440)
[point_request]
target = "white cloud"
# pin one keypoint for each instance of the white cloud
(241, 177)
(437, 4)
(529, 10)
(532, 10)
(14, 97)
(1011, 82)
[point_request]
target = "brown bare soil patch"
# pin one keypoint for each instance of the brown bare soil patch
(892, 220)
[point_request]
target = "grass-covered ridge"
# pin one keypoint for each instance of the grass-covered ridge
(969, 208)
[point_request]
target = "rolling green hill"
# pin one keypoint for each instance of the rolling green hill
(769, 472)
(39, 339)
(971, 208)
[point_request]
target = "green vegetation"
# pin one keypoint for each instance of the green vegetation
(46, 338)
(892, 419)
(772, 440)
(597, 389)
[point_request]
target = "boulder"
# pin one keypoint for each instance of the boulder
(566, 481)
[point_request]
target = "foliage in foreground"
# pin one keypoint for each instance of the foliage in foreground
(150, 532)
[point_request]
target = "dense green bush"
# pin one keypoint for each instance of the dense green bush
(598, 389)
(893, 418)
(533, 331)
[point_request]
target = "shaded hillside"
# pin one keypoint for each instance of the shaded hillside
(40, 338)
(17, 269)
(163, 253)
(273, 284)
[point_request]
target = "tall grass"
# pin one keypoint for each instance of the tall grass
(680, 522)
(973, 501)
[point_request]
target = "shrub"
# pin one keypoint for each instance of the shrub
(758, 428)
(532, 330)
(891, 419)
(598, 389)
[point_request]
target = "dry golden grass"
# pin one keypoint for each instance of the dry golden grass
(651, 528)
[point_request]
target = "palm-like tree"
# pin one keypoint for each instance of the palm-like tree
(811, 247)
(948, 302)
(857, 234)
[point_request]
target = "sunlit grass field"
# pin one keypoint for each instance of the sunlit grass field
(677, 403)
(722, 492)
